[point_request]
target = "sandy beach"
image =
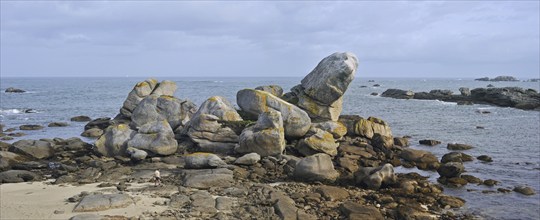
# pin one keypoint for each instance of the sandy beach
(40, 200)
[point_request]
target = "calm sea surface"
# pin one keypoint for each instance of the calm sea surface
(511, 136)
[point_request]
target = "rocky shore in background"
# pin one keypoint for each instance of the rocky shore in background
(498, 79)
(279, 156)
(515, 97)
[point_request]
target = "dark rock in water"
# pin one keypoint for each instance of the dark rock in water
(14, 90)
(363, 86)
(30, 111)
(490, 182)
(398, 94)
(483, 111)
(452, 202)
(374, 94)
(357, 211)
(456, 146)
(452, 181)
(503, 190)
(30, 127)
(272, 89)
(101, 123)
(456, 157)
(451, 169)
(33, 149)
(465, 103)
(471, 179)
(490, 86)
(465, 91)
(17, 176)
(7, 138)
(376, 85)
(402, 142)
(525, 190)
(480, 127)
(422, 159)
(80, 118)
(429, 142)
(58, 124)
(508, 97)
(504, 78)
(16, 134)
(482, 79)
(485, 158)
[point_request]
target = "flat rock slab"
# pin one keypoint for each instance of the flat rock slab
(204, 179)
(103, 202)
(357, 211)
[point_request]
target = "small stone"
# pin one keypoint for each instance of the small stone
(485, 158)
(248, 159)
(429, 142)
(30, 127)
(58, 124)
(456, 146)
(525, 190)
(490, 182)
(80, 118)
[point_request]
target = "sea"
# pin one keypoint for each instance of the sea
(510, 136)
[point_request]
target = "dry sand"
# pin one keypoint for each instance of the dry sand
(39, 200)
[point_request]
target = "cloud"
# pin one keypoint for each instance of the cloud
(172, 38)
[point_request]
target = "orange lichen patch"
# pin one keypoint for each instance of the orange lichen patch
(141, 84)
(214, 99)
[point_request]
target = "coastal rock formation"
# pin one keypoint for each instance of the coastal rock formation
(156, 108)
(451, 169)
(423, 159)
(317, 141)
(114, 140)
(337, 129)
(296, 122)
(14, 90)
(144, 89)
(458, 146)
(316, 167)
(508, 97)
(375, 177)
(498, 78)
(398, 94)
(266, 137)
(156, 137)
(17, 176)
(33, 149)
(272, 89)
(80, 118)
(203, 161)
(320, 93)
(101, 202)
(358, 126)
(57, 124)
(248, 159)
(136, 154)
(207, 128)
(30, 127)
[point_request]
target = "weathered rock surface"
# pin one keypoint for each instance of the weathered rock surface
(204, 179)
(139, 92)
(156, 137)
(57, 124)
(508, 97)
(266, 137)
(207, 128)
(136, 154)
(33, 149)
(358, 126)
(317, 141)
(316, 167)
(114, 140)
(157, 108)
(423, 159)
(203, 161)
(321, 92)
(101, 202)
(92, 132)
(429, 142)
(456, 157)
(248, 159)
(81, 118)
(525, 190)
(451, 169)
(458, 146)
(357, 211)
(17, 176)
(337, 129)
(272, 89)
(296, 121)
(375, 177)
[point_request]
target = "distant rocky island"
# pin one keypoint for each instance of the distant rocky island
(526, 99)
(498, 79)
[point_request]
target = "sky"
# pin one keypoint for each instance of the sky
(268, 39)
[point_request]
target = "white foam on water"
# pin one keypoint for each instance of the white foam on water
(11, 111)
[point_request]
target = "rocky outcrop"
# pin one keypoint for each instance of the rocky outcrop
(317, 141)
(30, 127)
(321, 92)
(207, 128)
(144, 89)
(33, 149)
(337, 129)
(451, 169)
(203, 161)
(156, 137)
(358, 126)
(80, 118)
(375, 177)
(114, 140)
(296, 122)
(398, 94)
(156, 108)
(316, 167)
(272, 89)
(266, 137)
(17, 176)
(498, 79)
(101, 202)
(14, 90)
(422, 159)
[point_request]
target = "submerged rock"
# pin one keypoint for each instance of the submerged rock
(58, 124)
(81, 118)
(30, 127)
(457, 146)
(429, 142)
(525, 190)
(14, 90)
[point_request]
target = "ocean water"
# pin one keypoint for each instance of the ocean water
(511, 136)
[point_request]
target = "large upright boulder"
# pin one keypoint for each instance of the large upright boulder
(321, 92)
(114, 140)
(296, 121)
(156, 137)
(156, 108)
(266, 137)
(207, 128)
(144, 89)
